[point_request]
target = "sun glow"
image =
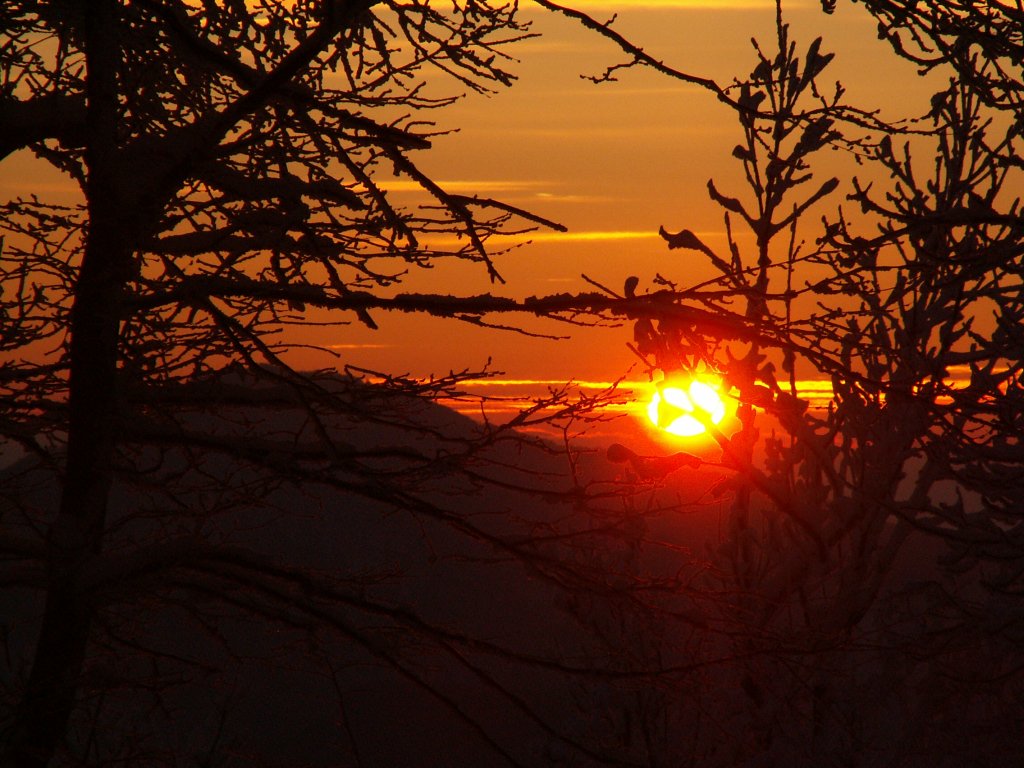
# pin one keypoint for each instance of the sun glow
(685, 409)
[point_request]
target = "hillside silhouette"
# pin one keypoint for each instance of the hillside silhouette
(227, 675)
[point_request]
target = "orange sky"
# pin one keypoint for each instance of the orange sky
(611, 162)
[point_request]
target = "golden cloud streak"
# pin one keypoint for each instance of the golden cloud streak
(361, 346)
(551, 237)
(681, 5)
(461, 185)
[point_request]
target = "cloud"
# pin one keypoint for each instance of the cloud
(520, 383)
(461, 186)
(618, 6)
(555, 238)
(610, 133)
(550, 197)
(446, 241)
(686, 5)
(817, 392)
(361, 346)
(585, 236)
(507, 188)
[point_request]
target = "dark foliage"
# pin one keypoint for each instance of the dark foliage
(874, 557)
(196, 527)
(158, 544)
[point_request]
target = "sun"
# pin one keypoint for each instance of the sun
(684, 408)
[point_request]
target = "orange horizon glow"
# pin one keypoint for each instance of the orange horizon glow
(611, 162)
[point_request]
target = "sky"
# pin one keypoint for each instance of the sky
(611, 162)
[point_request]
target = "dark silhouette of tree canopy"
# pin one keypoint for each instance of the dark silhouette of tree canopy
(231, 160)
(861, 604)
(875, 551)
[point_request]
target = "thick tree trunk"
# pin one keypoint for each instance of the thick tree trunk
(76, 535)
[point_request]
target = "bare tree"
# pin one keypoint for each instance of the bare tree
(231, 160)
(870, 573)
(870, 570)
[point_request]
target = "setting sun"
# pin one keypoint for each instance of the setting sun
(681, 410)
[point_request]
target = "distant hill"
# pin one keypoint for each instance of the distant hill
(444, 542)
(392, 584)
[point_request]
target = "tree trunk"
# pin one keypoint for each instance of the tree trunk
(76, 534)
